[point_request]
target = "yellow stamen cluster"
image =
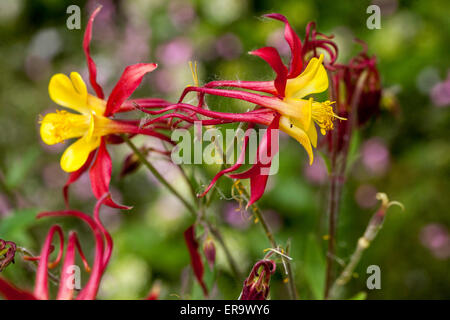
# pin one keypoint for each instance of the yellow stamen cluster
(62, 125)
(322, 113)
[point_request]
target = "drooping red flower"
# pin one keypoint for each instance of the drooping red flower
(257, 285)
(359, 105)
(103, 249)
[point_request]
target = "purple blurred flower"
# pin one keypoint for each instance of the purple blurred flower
(163, 81)
(436, 238)
(176, 52)
(182, 14)
(229, 46)
(236, 217)
(440, 93)
(134, 47)
(317, 172)
(276, 40)
(375, 156)
(365, 196)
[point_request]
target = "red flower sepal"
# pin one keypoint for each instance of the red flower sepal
(196, 260)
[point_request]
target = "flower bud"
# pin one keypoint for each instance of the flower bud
(256, 286)
(7, 253)
(132, 163)
(209, 250)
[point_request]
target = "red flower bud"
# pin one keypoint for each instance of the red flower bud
(210, 251)
(7, 253)
(256, 286)
(132, 162)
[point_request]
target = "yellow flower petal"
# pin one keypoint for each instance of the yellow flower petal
(78, 84)
(303, 115)
(298, 134)
(313, 79)
(96, 104)
(69, 93)
(77, 153)
(312, 134)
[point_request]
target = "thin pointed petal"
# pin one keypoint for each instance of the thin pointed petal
(65, 291)
(89, 292)
(41, 287)
(234, 167)
(259, 172)
(295, 67)
(127, 84)
(10, 292)
(90, 62)
(271, 56)
(196, 260)
(100, 174)
(263, 86)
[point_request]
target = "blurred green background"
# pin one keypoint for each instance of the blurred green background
(404, 152)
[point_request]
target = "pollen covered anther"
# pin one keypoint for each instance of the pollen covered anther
(322, 113)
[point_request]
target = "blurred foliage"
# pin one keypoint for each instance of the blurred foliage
(412, 48)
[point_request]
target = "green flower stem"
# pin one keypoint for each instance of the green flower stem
(216, 233)
(337, 172)
(159, 177)
(374, 225)
(259, 215)
(25, 252)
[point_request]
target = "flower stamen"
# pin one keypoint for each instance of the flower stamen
(323, 114)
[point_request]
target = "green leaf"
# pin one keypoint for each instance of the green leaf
(314, 266)
(15, 226)
(16, 174)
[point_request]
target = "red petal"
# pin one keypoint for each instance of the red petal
(89, 292)
(74, 176)
(272, 57)
(12, 293)
(107, 236)
(128, 82)
(264, 86)
(234, 167)
(261, 100)
(295, 67)
(261, 116)
(41, 287)
(196, 260)
(65, 292)
(258, 179)
(100, 174)
(150, 103)
(90, 62)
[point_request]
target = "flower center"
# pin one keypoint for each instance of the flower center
(63, 125)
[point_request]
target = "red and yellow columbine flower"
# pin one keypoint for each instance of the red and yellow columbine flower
(288, 106)
(103, 249)
(91, 125)
(289, 90)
